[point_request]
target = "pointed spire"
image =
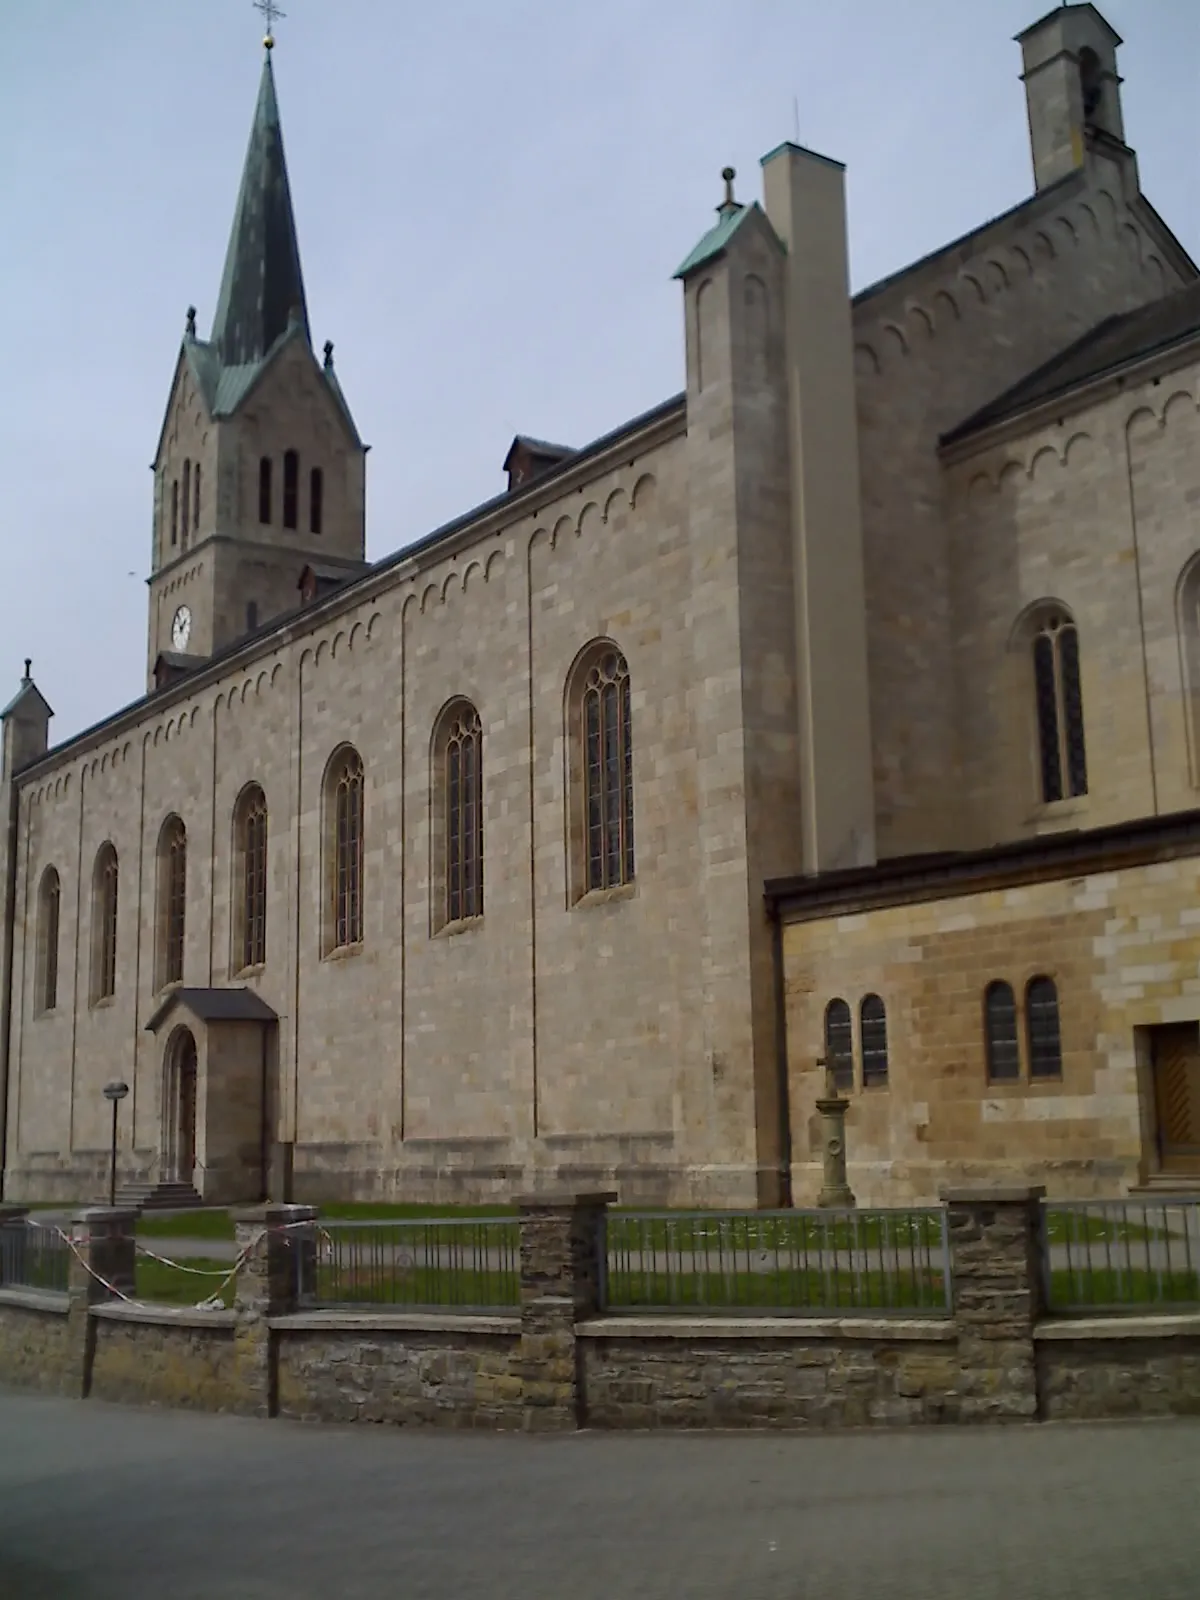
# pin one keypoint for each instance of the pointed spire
(262, 288)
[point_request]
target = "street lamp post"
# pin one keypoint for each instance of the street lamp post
(114, 1093)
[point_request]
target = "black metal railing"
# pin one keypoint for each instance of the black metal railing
(787, 1262)
(1121, 1255)
(33, 1256)
(462, 1264)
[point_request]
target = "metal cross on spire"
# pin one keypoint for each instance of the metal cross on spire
(270, 11)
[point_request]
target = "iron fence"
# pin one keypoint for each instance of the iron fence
(785, 1262)
(1121, 1255)
(33, 1257)
(464, 1264)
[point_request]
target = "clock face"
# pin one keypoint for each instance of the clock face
(181, 628)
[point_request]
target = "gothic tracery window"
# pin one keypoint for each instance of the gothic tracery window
(251, 948)
(104, 924)
(50, 904)
(172, 870)
(1058, 695)
(458, 809)
(344, 801)
(602, 733)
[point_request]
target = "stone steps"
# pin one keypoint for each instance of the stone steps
(165, 1196)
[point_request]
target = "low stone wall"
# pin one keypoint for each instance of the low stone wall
(160, 1355)
(1119, 1367)
(449, 1371)
(37, 1350)
(784, 1372)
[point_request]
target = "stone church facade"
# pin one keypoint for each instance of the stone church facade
(840, 716)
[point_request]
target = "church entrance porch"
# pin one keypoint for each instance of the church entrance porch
(179, 1101)
(1175, 1078)
(218, 1095)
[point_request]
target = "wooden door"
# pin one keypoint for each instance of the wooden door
(187, 1121)
(1177, 1096)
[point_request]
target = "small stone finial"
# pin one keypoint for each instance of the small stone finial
(329, 355)
(28, 670)
(729, 174)
(191, 322)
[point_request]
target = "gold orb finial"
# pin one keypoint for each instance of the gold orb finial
(268, 41)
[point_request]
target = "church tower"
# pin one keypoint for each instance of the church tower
(259, 477)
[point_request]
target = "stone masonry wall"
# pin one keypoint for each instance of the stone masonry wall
(1123, 948)
(693, 1376)
(1088, 1378)
(172, 1360)
(374, 1371)
(36, 1349)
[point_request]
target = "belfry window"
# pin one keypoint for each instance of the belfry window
(316, 496)
(187, 498)
(196, 500)
(1058, 696)
(291, 489)
(264, 490)
(175, 511)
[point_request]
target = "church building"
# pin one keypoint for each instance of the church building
(836, 721)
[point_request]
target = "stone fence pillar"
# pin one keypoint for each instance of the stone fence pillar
(278, 1276)
(995, 1255)
(102, 1267)
(561, 1276)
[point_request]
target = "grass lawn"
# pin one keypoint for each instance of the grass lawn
(173, 1287)
(1105, 1289)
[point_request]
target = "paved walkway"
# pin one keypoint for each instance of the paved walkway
(108, 1503)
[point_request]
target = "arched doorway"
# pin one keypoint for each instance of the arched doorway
(179, 1144)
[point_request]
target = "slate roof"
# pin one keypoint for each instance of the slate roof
(1114, 343)
(215, 1005)
(262, 287)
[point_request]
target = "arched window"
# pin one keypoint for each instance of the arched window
(104, 924)
(839, 1045)
(600, 788)
(250, 904)
(187, 498)
(196, 500)
(291, 489)
(172, 900)
(316, 498)
(1058, 697)
(1000, 1029)
(1042, 1032)
(1090, 82)
(49, 906)
(264, 490)
(458, 814)
(175, 511)
(344, 812)
(872, 1022)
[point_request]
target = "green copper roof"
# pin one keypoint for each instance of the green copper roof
(717, 238)
(262, 287)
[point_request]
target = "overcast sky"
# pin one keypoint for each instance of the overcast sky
(491, 200)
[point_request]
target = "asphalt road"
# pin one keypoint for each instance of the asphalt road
(111, 1503)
